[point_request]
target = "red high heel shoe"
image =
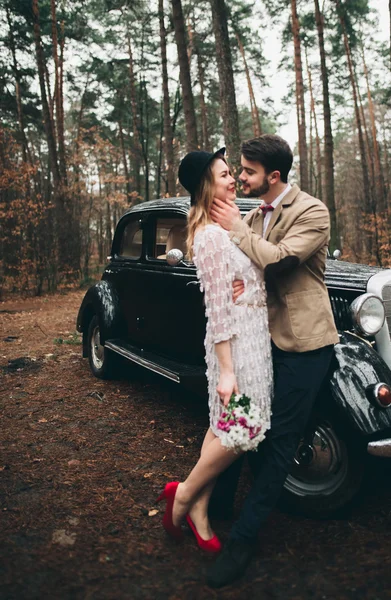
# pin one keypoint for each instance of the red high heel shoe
(213, 545)
(169, 494)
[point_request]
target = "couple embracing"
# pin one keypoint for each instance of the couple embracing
(270, 335)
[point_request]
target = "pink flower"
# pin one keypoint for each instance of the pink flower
(223, 426)
(243, 422)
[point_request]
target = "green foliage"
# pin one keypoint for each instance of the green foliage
(74, 339)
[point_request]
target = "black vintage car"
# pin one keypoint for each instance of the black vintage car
(149, 309)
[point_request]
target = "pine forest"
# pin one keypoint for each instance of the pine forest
(100, 100)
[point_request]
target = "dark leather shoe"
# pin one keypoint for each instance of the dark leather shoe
(231, 563)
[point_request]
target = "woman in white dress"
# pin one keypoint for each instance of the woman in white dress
(237, 342)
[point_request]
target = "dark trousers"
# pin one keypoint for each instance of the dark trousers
(297, 381)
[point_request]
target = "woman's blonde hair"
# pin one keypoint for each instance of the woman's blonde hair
(199, 213)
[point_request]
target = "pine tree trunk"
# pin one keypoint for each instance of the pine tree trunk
(303, 151)
(254, 109)
(328, 135)
(367, 204)
(168, 134)
(205, 142)
(159, 176)
(386, 163)
(319, 184)
(311, 176)
(48, 123)
(376, 245)
(144, 122)
(389, 8)
(137, 151)
(367, 192)
(126, 170)
(25, 147)
(229, 111)
(61, 94)
(379, 184)
(57, 95)
(184, 76)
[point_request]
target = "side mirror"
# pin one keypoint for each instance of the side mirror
(174, 257)
(337, 254)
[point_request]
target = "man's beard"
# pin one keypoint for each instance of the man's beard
(259, 191)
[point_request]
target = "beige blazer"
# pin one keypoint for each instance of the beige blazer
(293, 257)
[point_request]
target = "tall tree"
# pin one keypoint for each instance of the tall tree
(168, 133)
(366, 184)
(378, 183)
(328, 134)
(389, 10)
(300, 101)
(184, 76)
(58, 91)
(135, 116)
(16, 71)
(204, 137)
(229, 111)
(253, 104)
(318, 191)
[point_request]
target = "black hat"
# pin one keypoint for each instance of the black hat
(192, 168)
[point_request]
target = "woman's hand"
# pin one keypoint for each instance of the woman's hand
(227, 386)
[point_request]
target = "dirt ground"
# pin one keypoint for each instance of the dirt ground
(82, 462)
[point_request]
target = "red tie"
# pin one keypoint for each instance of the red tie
(265, 208)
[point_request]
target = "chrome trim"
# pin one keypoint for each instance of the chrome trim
(174, 257)
(356, 307)
(380, 448)
(143, 362)
(376, 284)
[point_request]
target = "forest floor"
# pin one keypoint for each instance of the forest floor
(81, 464)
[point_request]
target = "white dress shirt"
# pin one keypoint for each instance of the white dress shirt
(274, 204)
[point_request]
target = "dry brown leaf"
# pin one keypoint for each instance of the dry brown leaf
(152, 512)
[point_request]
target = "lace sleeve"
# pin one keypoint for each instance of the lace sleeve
(213, 259)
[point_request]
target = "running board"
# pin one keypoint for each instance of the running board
(380, 448)
(175, 371)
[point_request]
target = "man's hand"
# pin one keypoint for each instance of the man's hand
(224, 213)
(238, 287)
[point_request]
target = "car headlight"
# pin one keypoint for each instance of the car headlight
(368, 314)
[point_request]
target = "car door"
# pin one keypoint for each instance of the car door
(126, 273)
(173, 314)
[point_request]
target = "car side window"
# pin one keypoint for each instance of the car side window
(131, 242)
(171, 232)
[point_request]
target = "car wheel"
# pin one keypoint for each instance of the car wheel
(327, 471)
(102, 361)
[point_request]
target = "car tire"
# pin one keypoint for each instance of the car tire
(328, 470)
(102, 361)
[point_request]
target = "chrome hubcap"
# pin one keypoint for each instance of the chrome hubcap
(97, 351)
(320, 464)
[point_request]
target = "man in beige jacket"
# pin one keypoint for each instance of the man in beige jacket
(287, 237)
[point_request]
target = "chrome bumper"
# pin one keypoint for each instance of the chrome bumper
(380, 448)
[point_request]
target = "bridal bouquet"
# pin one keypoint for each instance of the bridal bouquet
(241, 424)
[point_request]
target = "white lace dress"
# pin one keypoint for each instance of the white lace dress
(245, 323)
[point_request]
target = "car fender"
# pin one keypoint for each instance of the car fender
(102, 300)
(357, 366)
